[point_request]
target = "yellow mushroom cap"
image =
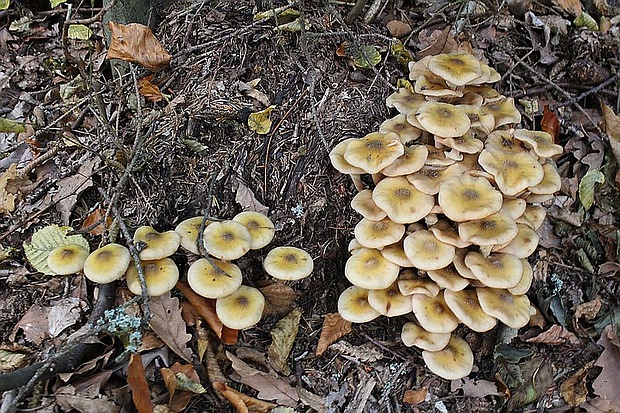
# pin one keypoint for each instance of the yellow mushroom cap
(540, 142)
(414, 335)
(496, 229)
(533, 216)
(419, 68)
(513, 172)
(503, 140)
(399, 125)
(374, 151)
(107, 264)
(526, 280)
(405, 101)
(442, 119)
(551, 182)
(336, 156)
(524, 244)
(504, 111)
(453, 362)
(426, 252)
(353, 305)
(466, 307)
(156, 244)
(515, 207)
(260, 226)
(467, 143)
(402, 202)
(211, 282)
(378, 234)
(67, 259)
(429, 178)
(465, 197)
(458, 69)
(445, 232)
(241, 309)
(367, 268)
(448, 278)
(433, 313)
(498, 270)
(430, 85)
(363, 203)
(409, 283)
(396, 254)
(390, 301)
(288, 263)
(459, 264)
(188, 230)
(512, 310)
(227, 240)
(160, 277)
(411, 161)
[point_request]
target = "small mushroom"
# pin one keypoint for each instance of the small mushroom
(188, 230)
(414, 335)
(160, 276)
(433, 313)
(156, 244)
(445, 232)
(512, 310)
(399, 125)
(430, 85)
(551, 182)
(411, 161)
(108, 263)
(426, 252)
(448, 278)
(363, 203)
(402, 202)
(241, 309)
(396, 254)
(453, 362)
(524, 244)
(67, 259)
(513, 172)
(504, 111)
(442, 119)
(374, 151)
(212, 281)
(540, 142)
(227, 240)
(390, 301)
(533, 216)
(409, 284)
(498, 270)
(429, 178)
(466, 307)
(368, 269)
(457, 69)
(526, 280)
(496, 229)
(466, 197)
(260, 226)
(336, 156)
(288, 263)
(378, 234)
(405, 101)
(353, 305)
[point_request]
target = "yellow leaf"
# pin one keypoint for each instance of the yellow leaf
(260, 122)
(10, 126)
(47, 239)
(282, 339)
(136, 43)
(367, 57)
(79, 32)
(4, 4)
(587, 186)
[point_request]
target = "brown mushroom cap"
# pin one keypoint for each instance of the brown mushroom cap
(429, 178)
(227, 240)
(504, 111)
(378, 234)
(211, 282)
(67, 259)
(466, 307)
(405, 101)
(107, 264)
(399, 125)
(454, 362)
(498, 228)
(414, 335)
(288, 263)
(465, 198)
(402, 202)
(430, 85)
(156, 244)
(448, 278)
(497, 270)
(426, 252)
(160, 277)
(353, 305)
(241, 309)
(390, 301)
(411, 161)
(512, 310)
(260, 226)
(188, 230)
(409, 283)
(540, 142)
(458, 69)
(363, 203)
(513, 172)
(368, 269)
(442, 119)
(524, 244)
(433, 313)
(374, 151)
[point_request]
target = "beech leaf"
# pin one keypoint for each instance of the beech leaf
(47, 239)
(279, 299)
(136, 379)
(246, 198)
(168, 323)
(136, 43)
(367, 57)
(554, 336)
(79, 32)
(282, 339)
(243, 402)
(334, 327)
(4, 4)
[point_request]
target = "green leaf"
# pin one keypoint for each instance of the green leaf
(10, 126)
(368, 57)
(400, 53)
(186, 384)
(281, 12)
(79, 32)
(586, 20)
(55, 3)
(260, 122)
(282, 338)
(47, 239)
(587, 186)
(4, 4)
(296, 25)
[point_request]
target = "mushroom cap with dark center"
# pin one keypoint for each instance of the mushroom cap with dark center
(107, 264)
(465, 198)
(260, 227)
(67, 259)
(214, 280)
(453, 362)
(227, 240)
(188, 230)
(241, 309)
(353, 305)
(156, 244)
(160, 276)
(402, 202)
(288, 263)
(458, 69)
(374, 151)
(442, 119)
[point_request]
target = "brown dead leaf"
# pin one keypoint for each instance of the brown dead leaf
(63, 314)
(574, 389)
(333, 328)
(550, 123)
(33, 324)
(588, 310)
(398, 28)
(242, 402)
(269, 386)
(570, 6)
(279, 299)
(439, 41)
(556, 335)
(10, 183)
(169, 325)
(13, 356)
(607, 384)
(179, 395)
(136, 379)
(136, 43)
(612, 128)
(282, 338)
(71, 187)
(475, 388)
(150, 91)
(415, 397)
(86, 404)
(93, 223)
(246, 198)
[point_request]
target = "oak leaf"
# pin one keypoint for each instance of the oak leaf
(168, 323)
(334, 327)
(607, 384)
(136, 43)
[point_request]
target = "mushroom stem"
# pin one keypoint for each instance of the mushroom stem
(357, 181)
(376, 178)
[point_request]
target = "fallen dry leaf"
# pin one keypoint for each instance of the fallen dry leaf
(13, 356)
(570, 6)
(612, 128)
(150, 91)
(33, 324)
(556, 335)
(269, 386)
(71, 187)
(550, 123)
(333, 328)
(475, 388)
(84, 404)
(136, 43)
(10, 182)
(282, 338)
(182, 383)
(246, 198)
(233, 396)
(63, 314)
(415, 397)
(279, 299)
(136, 379)
(588, 310)
(168, 323)
(93, 223)
(574, 389)
(607, 384)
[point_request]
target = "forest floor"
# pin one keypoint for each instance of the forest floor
(101, 139)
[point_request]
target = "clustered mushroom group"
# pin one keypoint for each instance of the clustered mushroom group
(216, 277)
(452, 218)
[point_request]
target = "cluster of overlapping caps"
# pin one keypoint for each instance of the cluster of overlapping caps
(451, 220)
(238, 306)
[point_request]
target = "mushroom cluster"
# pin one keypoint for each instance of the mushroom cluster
(451, 220)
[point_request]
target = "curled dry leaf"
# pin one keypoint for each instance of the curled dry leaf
(243, 402)
(93, 223)
(150, 91)
(279, 299)
(607, 383)
(182, 383)
(550, 123)
(574, 389)
(282, 338)
(334, 327)
(169, 325)
(556, 335)
(415, 397)
(136, 378)
(136, 43)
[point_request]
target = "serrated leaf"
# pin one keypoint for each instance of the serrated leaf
(55, 3)
(367, 57)
(4, 4)
(260, 122)
(587, 186)
(282, 339)
(79, 32)
(11, 126)
(47, 239)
